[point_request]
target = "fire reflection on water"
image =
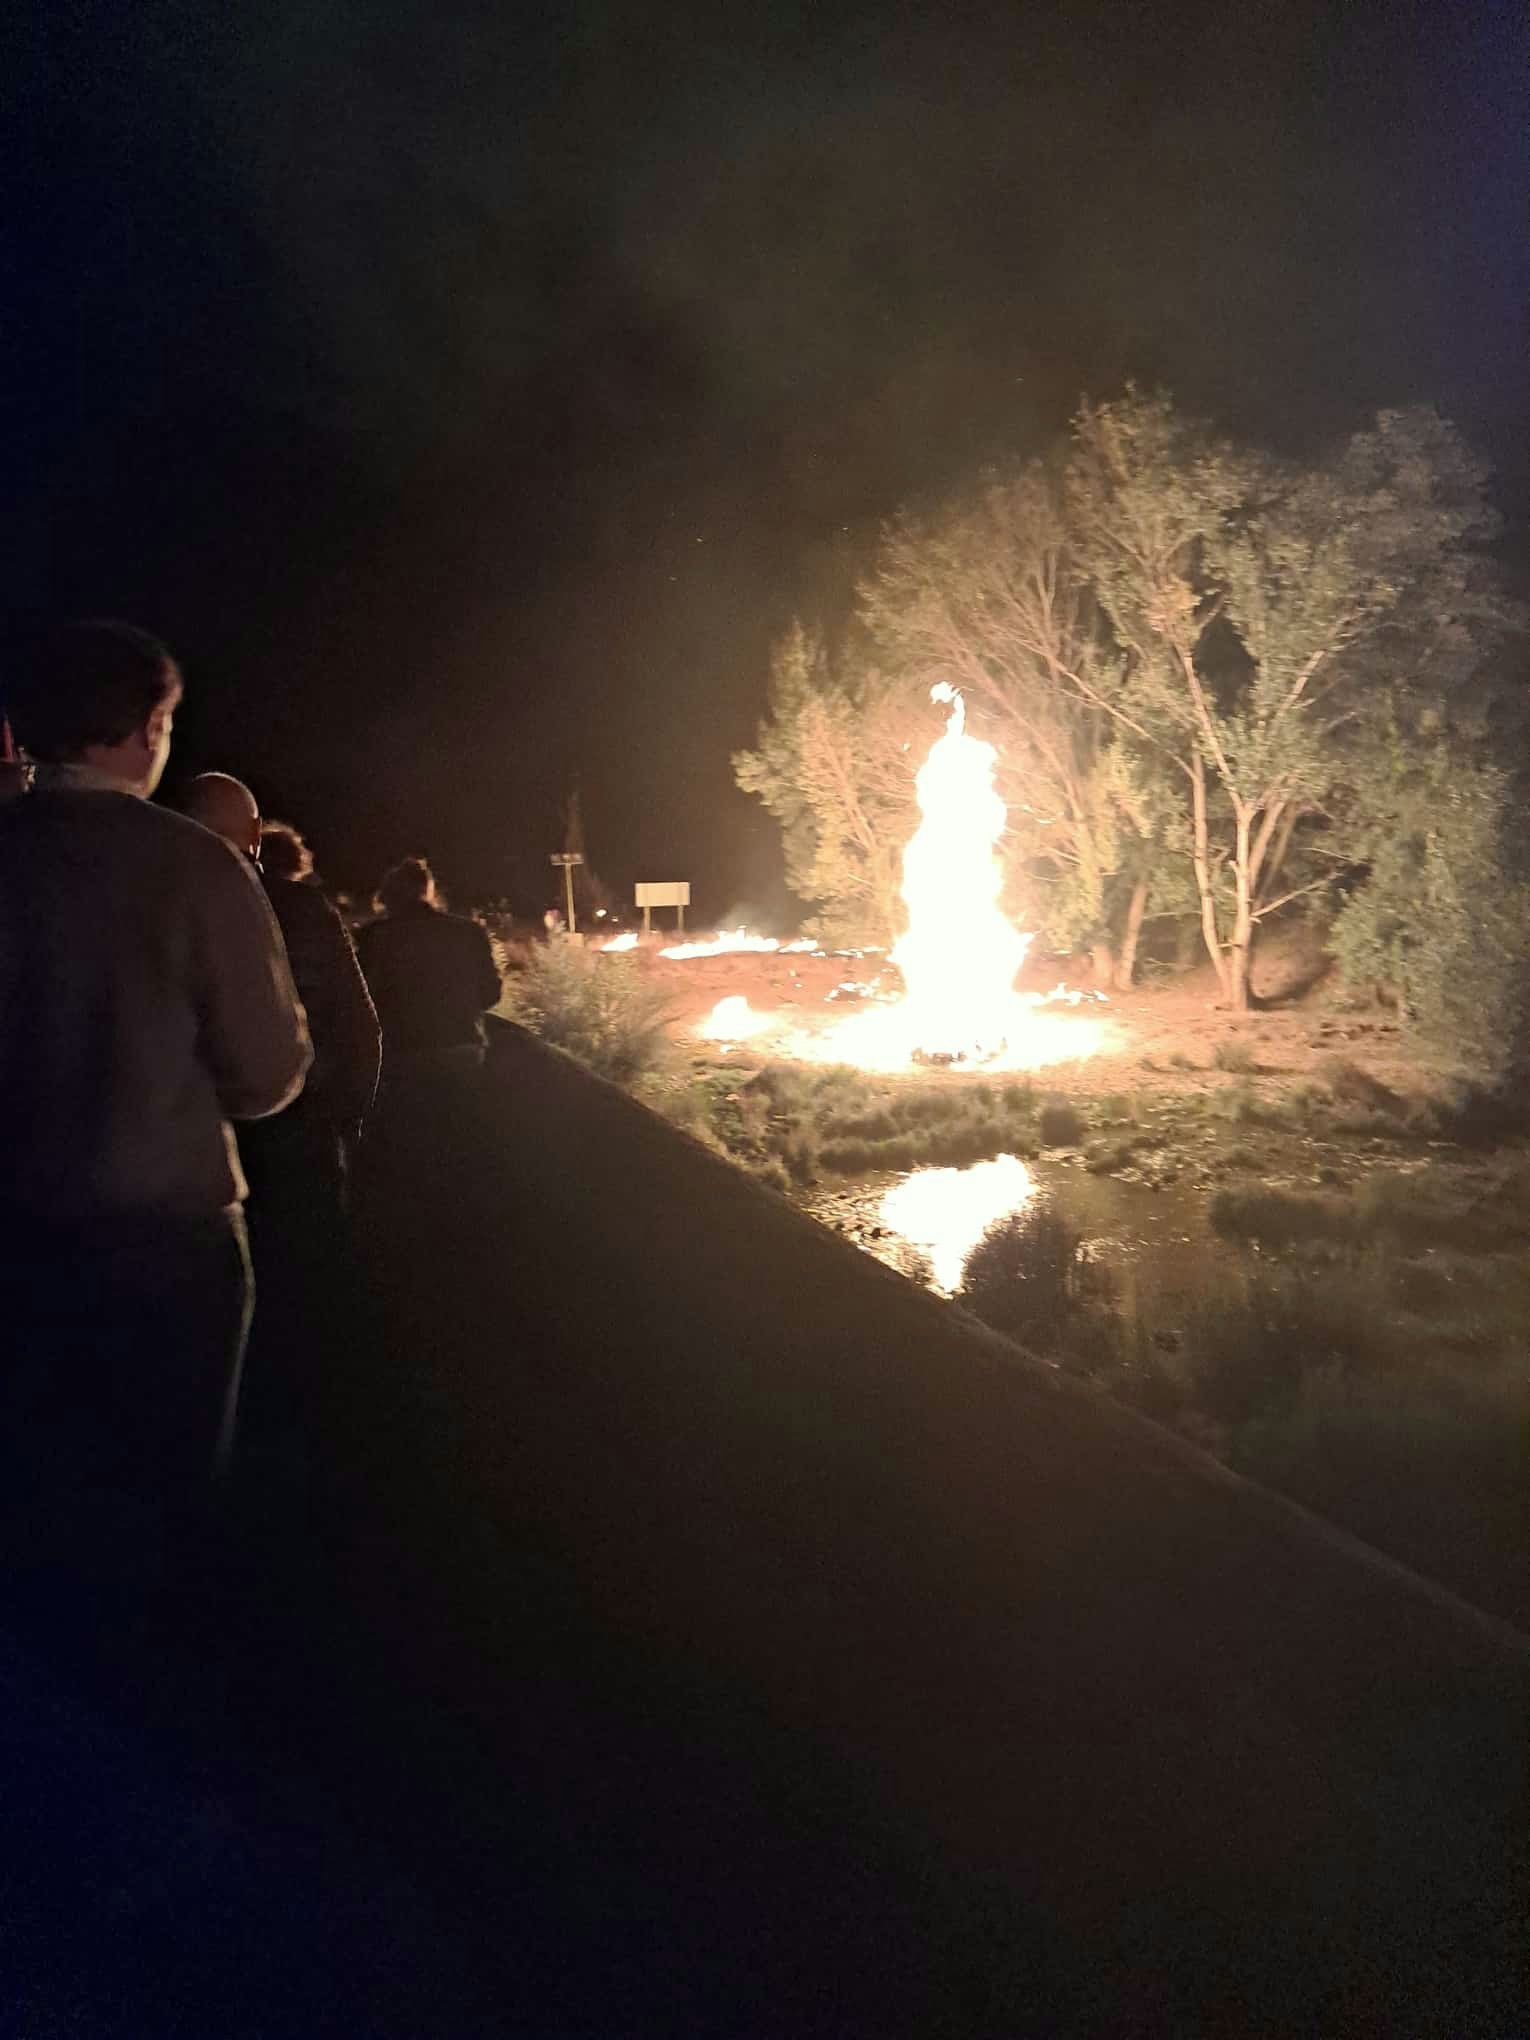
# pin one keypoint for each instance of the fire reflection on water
(945, 1212)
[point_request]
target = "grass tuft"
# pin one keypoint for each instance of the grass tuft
(1060, 1124)
(1235, 1055)
(599, 1009)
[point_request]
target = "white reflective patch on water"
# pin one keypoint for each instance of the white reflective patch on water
(945, 1212)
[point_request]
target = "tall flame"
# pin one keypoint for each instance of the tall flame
(960, 955)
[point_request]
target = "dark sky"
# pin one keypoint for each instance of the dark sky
(469, 394)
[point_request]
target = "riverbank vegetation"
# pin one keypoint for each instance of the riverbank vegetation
(1366, 1356)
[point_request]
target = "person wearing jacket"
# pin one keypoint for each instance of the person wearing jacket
(432, 974)
(145, 1004)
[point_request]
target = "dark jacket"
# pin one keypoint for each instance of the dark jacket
(347, 1041)
(145, 1000)
(432, 977)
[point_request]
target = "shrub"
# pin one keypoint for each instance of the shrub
(1442, 921)
(1278, 1218)
(1246, 1357)
(1349, 1084)
(1233, 1054)
(1240, 1103)
(1060, 1124)
(599, 1009)
(799, 1157)
(1307, 1098)
(1419, 1212)
(1028, 1277)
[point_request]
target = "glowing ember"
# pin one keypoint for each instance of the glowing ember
(620, 942)
(945, 1212)
(732, 1019)
(729, 942)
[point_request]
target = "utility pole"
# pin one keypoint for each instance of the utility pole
(568, 859)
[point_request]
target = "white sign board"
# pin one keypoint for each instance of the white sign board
(669, 893)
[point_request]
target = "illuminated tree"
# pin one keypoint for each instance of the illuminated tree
(1185, 652)
(989, 595)
(1268, 613)
(835, 763)
(1441, 922)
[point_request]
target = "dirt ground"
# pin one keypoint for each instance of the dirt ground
(1138, 1040)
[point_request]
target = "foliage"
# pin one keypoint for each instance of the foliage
(1029, 1278)
(988, 594)
(1238, 1056)
(1277, 1218)
(1270, 613)
(1340, 1385)
(599, 1009)
(1060, 1125)
(1442, 921)
(834, 763)
(1188, 654)
(841, 1122)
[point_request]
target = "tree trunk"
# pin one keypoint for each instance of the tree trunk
(1240, 948)
(1126, 962)
(1201, 858)
(1103, 958)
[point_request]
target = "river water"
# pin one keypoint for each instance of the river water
(1156, 1242)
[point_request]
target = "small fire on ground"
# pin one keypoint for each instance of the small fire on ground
(958, 958)
(735, 942)
(733, 1019)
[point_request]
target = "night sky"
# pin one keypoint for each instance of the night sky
(469, 401)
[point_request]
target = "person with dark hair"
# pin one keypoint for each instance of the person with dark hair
(145, 1002)
(347, 1039)
(432, 974)
(298, 1163)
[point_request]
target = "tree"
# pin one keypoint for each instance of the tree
(834, 762)
(1441, 921)
(989, 594)
(1267, 612)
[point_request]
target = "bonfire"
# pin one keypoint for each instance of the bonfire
(958, 957)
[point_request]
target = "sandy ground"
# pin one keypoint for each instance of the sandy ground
(1131, 1042)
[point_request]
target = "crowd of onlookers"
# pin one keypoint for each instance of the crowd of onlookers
(165, 976)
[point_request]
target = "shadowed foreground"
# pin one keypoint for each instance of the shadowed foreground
(698, 1629)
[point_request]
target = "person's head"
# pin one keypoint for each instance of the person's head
(100, 694)
(227, 807)
(410, 884)
(283, 853)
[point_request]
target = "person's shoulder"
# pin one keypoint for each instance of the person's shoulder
(301, 906)
(200, 850)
